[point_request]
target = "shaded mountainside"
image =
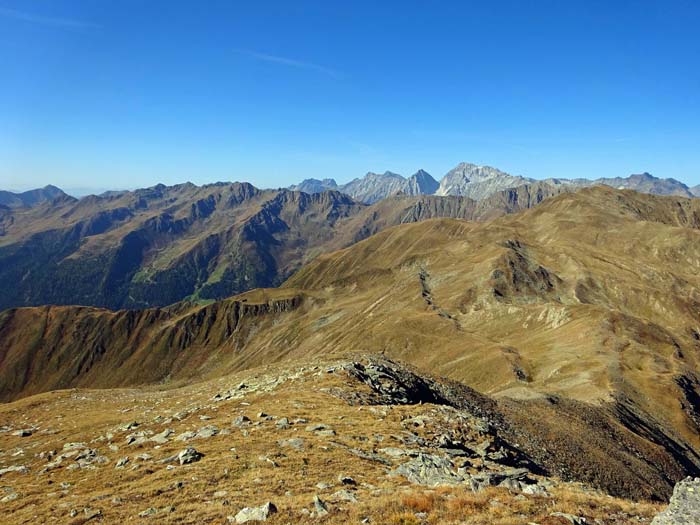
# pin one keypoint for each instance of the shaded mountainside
(160, 245)
(578, 318)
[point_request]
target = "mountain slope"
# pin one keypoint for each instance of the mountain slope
(590, 297)
(156, 246)
(341, 441)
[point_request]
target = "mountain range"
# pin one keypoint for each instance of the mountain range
(479, 182)
(160, 245)
(579, 315)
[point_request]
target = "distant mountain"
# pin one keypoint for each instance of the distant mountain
(646, 183)
(421, 183)
(374, 186)
(315, 185)
(31, 198)
(477, 182)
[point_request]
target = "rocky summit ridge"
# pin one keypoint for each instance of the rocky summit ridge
(479, 182)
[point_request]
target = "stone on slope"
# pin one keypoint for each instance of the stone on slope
(255, 513)
(684, 507)
(189, 455)
(430, 470)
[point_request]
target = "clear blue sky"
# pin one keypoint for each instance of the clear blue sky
(130, 93)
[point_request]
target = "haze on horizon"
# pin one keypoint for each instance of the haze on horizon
(132, 94)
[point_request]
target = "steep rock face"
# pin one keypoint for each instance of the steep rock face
(315, 185)
(477, 182)
(421, 183)
(374, 186)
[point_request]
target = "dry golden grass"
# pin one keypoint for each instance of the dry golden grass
(239, 463)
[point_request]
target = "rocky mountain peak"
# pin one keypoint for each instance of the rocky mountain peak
(421, 183)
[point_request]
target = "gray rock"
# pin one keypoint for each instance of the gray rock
(296, 443)
(207, 432)
(151, 511)
(189, 455)
(14, 468)
(282, 423)
(186, 436)
(255, 513)
(25, 432)
(163, 436)
(121, 462)
(571, 518)
(344, 495)
(241, 421)
(320, 507)
(317, 428)
(684, 507)
(430, 470)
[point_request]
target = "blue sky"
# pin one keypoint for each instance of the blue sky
(102, 94)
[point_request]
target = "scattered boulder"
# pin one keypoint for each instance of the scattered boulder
(255, 513)
(14, 468)
(346, 480)
(684, 507)
(163, 436)
(241, 421)
(295, 443)
(189, 455)
(571, 518)
(320, 507)
(186, 436)
(430, 470)
(344, 495)
(207, 432)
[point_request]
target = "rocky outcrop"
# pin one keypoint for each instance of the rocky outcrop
(684, 507)
(623, 451)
